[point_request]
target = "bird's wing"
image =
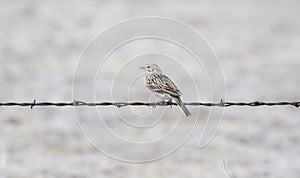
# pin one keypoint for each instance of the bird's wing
(161, 83)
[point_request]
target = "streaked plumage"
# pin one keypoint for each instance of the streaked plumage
(163, 86)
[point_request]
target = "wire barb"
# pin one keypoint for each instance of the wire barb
(77, 103)
(33, 104)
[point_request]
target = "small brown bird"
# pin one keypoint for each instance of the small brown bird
(163, 86)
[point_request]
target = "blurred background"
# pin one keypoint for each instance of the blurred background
(257, 43)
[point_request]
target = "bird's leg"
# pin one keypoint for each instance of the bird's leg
(170, 103)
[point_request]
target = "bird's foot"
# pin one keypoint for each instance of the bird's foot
(170, 103)
(153, 106)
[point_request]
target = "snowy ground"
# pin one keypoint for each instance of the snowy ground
(258, 45)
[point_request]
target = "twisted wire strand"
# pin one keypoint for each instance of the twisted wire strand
(76, 103)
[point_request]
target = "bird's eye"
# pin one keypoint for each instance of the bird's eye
(148, 66)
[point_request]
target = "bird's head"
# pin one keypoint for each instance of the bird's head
(151, 68)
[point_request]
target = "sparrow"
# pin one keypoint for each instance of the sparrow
(163, 86)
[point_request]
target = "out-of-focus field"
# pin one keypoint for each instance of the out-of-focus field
(258, 45)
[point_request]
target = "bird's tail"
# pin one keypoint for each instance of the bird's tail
(182, 106)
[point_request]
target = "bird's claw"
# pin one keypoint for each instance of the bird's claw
(153, 106)
(170, 103)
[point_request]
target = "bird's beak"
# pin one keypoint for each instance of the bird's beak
(143, 68)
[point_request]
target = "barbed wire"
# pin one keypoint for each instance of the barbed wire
(76, 103)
